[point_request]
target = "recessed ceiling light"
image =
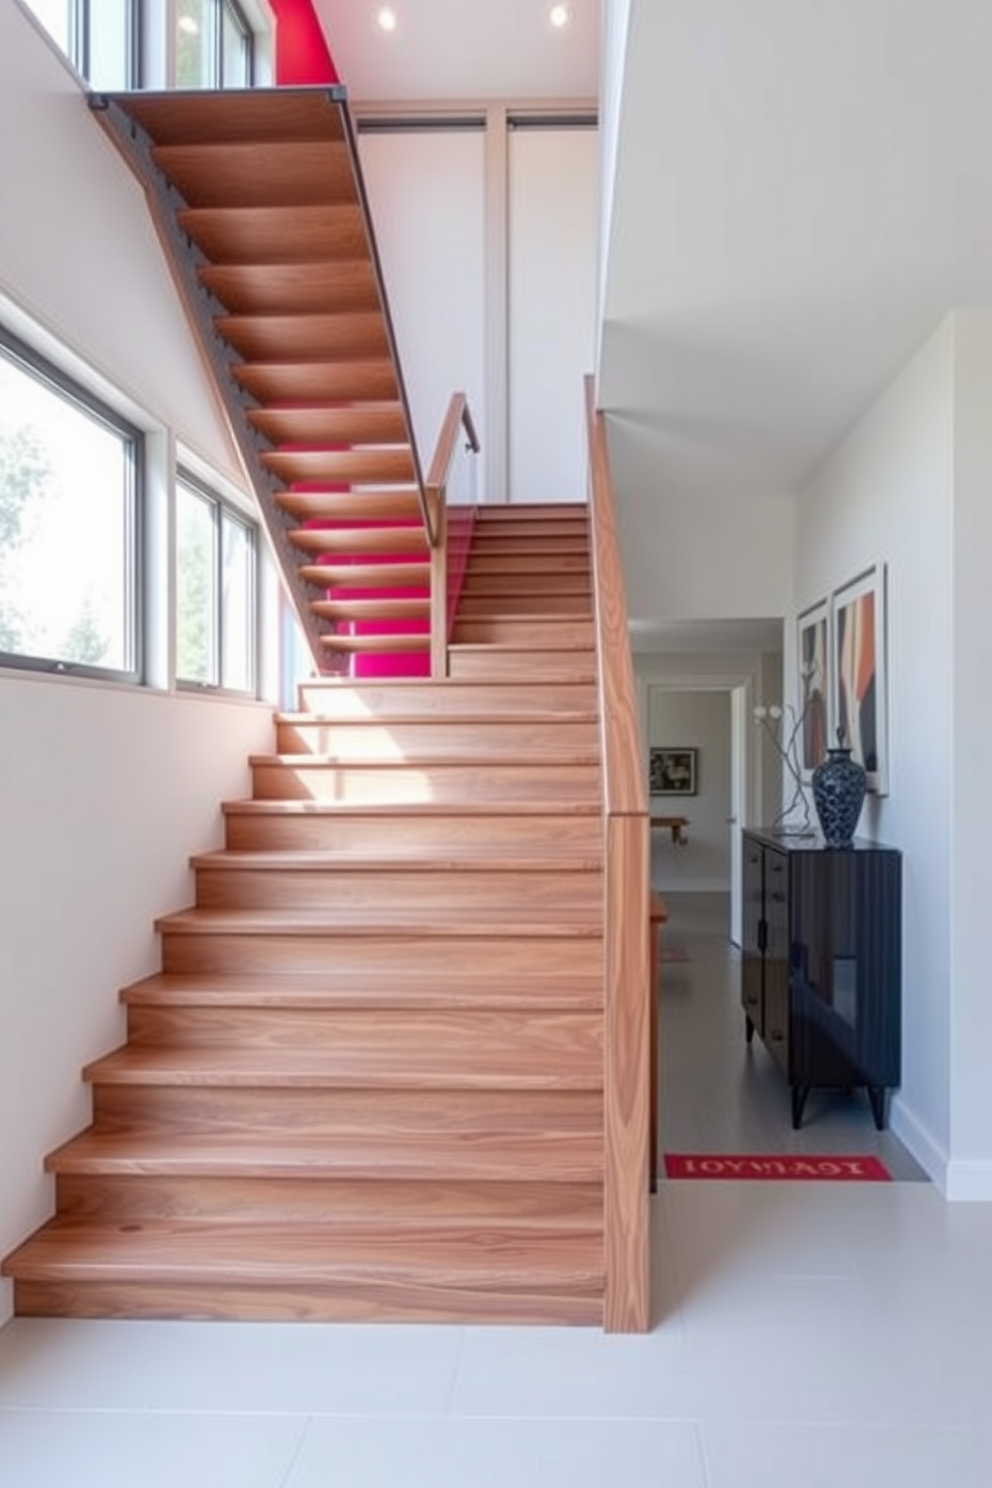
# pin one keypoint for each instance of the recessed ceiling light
(560, 16)
(386, 18)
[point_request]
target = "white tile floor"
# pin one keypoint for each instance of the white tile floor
(807, 1334)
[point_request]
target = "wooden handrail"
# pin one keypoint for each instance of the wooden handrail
(628, 990)
(458, 417)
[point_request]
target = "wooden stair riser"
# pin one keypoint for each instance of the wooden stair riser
(350, 424)
(257, 338)
(435, 782)
(259, 826)
(530, 1207)
(488, 1135)
(476, 663)
(534, 567)
(530, 631)
(349, 1302)
(276, 235)
(385, 466)
(318, 382)
(422, 739)
(389, 505)
(441, 701)
(455, 1049)
(517, 586)
(566, 529)
(341, 991)
(314, 953)
(293, 289)
(258, 174)
(495, 545)
(477, 605)
(458, 889)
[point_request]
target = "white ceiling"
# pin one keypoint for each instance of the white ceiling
(804, 190)
(463, 49)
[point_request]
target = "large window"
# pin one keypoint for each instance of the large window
(100, 37)
(121, 44)
(215, 591)
(213, 45)
(69, 511)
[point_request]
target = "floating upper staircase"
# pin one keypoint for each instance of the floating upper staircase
(258, 200)
(368, 1081)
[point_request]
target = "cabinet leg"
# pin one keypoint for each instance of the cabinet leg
(748, 1029)
(799, 1094)
(876, 1095)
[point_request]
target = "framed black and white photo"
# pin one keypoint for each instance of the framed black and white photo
(672, 772)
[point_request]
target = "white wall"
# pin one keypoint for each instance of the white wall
(553, 180)
(104, 793)
(701, 721)
(970, 1171)
(427, 194)
(78, 251)
(104, 790)
(887, 496)
(699, 557)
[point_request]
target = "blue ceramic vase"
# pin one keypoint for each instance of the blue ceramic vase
(839, 785)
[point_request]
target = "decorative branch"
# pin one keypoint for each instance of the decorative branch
(773, 719)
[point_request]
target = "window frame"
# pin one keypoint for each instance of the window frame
(49, 374)
(202, 488)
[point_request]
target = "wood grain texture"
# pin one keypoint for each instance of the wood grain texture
(346, 423)
(253, 117)
(550, 737)
(302, 338)
(346, 285)
(435, 781)
(259, 173)
(89, 1188)
(405, 699)
(278, 235)
(528, 832)
(628, 1064)
(314, 382)
(562, 664)
(223, 882)
(337, 988)
(364, 542)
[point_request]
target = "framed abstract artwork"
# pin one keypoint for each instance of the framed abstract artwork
(858, 650)
(813, 693)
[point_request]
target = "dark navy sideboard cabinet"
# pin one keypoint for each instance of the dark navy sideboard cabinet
(821, 963)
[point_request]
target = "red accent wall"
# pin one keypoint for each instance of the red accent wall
(302, 54)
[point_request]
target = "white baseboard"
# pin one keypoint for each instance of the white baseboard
(968, 1181)
(917, 1137)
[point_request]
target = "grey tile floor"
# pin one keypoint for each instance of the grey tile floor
(819, 1334)
(717, 1094)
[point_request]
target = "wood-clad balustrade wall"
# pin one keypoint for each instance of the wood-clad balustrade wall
(628, 1063)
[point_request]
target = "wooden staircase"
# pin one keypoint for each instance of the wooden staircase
(368, 1081)
(259, 204)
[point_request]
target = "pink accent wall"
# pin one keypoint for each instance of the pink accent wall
(303, 58)
(302, 53)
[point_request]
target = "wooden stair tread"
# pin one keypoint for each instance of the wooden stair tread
(207, 1252)
(523, 758)
(468, 857)
(531, 991)
(380, 921)
(413, 1060)
(293, 289)
(541, 1156)
(388, 641)
(393, 576)
(290, 807)
(491, 718)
